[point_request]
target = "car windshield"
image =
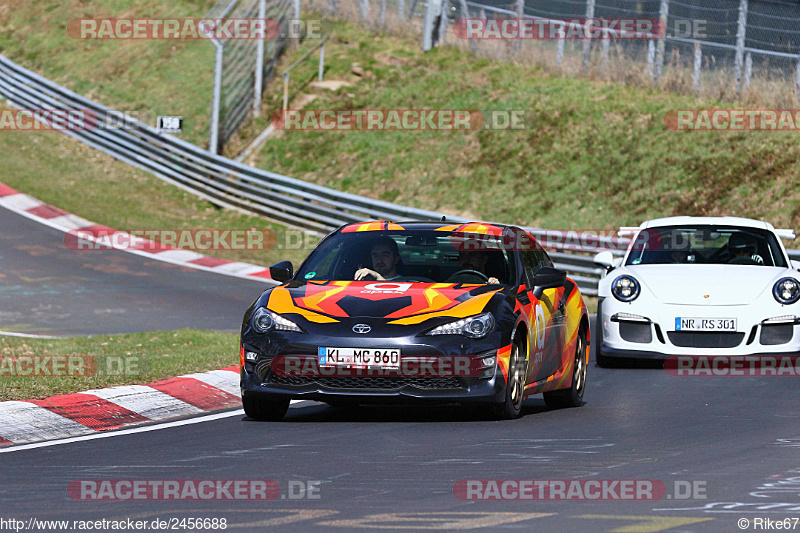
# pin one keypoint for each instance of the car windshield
(424, 255)
(716, 245)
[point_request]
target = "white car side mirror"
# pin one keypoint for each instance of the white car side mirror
(605, 259)
(795, 264)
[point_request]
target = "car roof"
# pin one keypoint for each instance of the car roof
(712, 221)
(458, 227)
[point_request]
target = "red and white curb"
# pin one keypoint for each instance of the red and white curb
(35, 209)
(91, 411)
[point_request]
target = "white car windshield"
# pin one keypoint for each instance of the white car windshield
(716, 245)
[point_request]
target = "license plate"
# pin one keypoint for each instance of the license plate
(359, 356)
(704, 324)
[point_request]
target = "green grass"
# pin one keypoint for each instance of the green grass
(121, 360)
(144, 77)
(594, 154)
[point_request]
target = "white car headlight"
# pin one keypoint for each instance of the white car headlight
(625, 288)
(265, 320)
(786, 291)
(473, 327)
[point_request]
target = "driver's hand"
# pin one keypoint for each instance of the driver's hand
(364, 272)
(757, 258)
(493, 280)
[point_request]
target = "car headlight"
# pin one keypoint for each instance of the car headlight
(265, 320)
(625, 288)
(473, 327)
(786, 290)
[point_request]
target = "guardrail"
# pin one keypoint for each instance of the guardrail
(230, 184)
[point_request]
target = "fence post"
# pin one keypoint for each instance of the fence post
(604, 64)
(797, 79)
(748, 70)
(364, 4)
(401, 9)
(698, 62)
(432, 9)
(520, 9)
(382, 13)
(259, 74)
(465, 16)
(741, 31)
(443, 20)
(651, 58)
(333, 6)
(587, 42)
(663, 15)
(560, 52)
(411, 9)
(296, 10)
(213, 142)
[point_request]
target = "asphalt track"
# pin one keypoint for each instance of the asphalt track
(46, 288)
(392, 468)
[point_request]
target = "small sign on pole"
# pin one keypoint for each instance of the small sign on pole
(169, 124)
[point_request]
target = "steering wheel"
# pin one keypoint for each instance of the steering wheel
(468, 272)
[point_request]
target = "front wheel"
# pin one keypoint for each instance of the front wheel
(515, 387)
(573, 396)
(267, 410)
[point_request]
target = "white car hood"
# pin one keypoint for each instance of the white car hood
(708, 284)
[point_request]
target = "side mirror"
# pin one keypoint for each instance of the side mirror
(549, 278)
(281, 272)
(605, 260)
(795, 264)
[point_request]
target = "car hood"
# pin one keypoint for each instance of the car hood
(400, 303)
(708, 284)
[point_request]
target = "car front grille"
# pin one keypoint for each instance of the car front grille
(705, 339)
(371, 382)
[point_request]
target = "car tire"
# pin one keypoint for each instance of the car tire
(266, 410)
(573, 396)
(511, 407)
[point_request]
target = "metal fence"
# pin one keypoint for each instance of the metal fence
(242, 67)
(728, 44)
(230, 184)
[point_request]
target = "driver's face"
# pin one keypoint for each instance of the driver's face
(384, 261)
(473, 261)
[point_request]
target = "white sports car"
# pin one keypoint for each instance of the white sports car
(698, 286)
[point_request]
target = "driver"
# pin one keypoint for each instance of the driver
(741, 245)
(385, 258)
(475, 260)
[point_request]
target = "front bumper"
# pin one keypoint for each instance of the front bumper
(654, 336)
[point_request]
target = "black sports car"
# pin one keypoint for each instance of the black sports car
(421, 311)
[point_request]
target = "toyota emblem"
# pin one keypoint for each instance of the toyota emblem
(362, 328)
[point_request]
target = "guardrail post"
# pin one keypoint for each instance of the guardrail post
(213, 142)
(296, 10)
(560, 52)
(587, 42)
(520, 10)
(604, 63)
(698, 62)
(382, 13)
(443, 17)
(432, 7)
(741, 32)
(651, 59)
(663, 15)
(473, 47)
